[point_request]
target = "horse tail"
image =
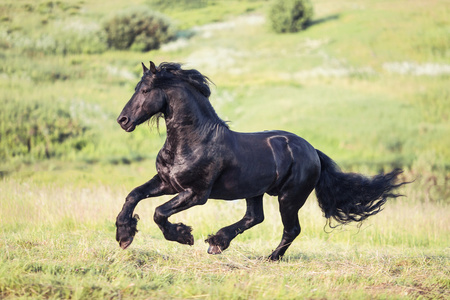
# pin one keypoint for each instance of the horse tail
(347, 197)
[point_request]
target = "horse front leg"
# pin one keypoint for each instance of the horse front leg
(253, 216)
(178, 232)
(125, 221)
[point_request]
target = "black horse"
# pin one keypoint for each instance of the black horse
(202, 158)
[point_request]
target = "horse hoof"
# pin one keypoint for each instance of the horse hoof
(188, 240)
(124, 244)
(214, 249)
(274, 258)
(184, 235)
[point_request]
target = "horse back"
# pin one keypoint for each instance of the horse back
(259, 163)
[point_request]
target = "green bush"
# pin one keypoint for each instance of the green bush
(37, 129)
(290, 15)
(138, 29)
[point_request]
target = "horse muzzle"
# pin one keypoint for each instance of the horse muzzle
(125, 123)
(124, 244)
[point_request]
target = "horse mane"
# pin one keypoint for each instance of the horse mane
(193, 77)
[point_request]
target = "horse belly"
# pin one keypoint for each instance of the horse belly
(250, 177)
(231, 187)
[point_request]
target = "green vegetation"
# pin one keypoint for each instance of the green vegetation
(58, 242)
(39, 129)
(290, 15)
(138, 28)
(367, 83)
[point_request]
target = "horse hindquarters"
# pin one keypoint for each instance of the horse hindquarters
(303, 176)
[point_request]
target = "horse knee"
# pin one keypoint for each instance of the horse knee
(132, 198)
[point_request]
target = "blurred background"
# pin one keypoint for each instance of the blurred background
(367, 82)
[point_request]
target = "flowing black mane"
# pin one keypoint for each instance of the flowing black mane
(170, 73)
(193, 77)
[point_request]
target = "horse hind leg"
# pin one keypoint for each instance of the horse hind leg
(253, 216)
(290, 203)
(304, 174)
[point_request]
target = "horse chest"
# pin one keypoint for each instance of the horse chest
(183, 172)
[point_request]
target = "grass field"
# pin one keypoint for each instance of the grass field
(367, 84)
(58, 242)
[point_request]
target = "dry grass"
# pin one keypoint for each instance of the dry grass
(58, 242)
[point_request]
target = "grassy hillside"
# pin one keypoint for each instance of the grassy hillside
(367, 84)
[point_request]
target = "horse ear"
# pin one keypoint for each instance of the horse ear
(152, 67)
(144, 68)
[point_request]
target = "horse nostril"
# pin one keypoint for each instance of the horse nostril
(122, 120)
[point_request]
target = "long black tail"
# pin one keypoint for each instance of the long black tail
(348, 197)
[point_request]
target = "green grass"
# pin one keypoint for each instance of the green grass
(339, 84)
(204, 12)
(100, 271)
(329, 84)
(58, 242)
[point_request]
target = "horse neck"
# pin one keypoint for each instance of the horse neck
(190, 114)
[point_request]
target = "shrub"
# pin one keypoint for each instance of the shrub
(138, 29)
(37, 129)
(290, 15)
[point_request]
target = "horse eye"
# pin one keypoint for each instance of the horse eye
(145, 91)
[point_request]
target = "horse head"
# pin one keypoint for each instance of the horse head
(146, 101)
